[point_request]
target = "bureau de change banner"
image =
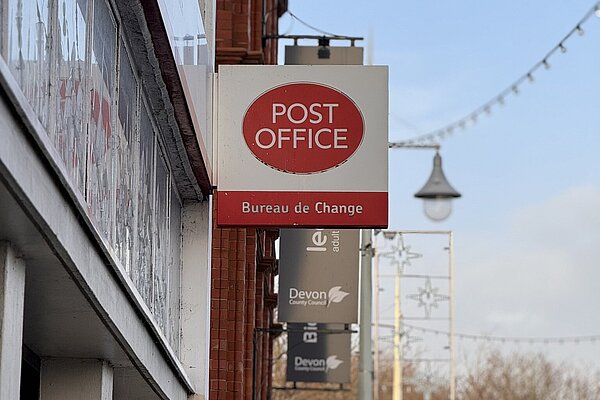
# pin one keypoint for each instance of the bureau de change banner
(318, 353)
(318, 275)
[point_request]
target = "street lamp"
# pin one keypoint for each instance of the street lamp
(437, 193)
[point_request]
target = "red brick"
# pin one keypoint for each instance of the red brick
(237, 290)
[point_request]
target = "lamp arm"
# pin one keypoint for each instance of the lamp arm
(403, 145)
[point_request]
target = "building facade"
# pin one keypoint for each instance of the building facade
(105, 210)
(115, 282)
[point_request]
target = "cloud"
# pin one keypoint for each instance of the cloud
(539, 276)
(570, 219)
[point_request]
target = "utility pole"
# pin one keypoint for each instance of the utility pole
(365, 363)
(376, 322)
(452, 335)
(397, 381)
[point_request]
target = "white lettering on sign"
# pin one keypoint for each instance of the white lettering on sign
(322, 207)
(307, 294)
(307, 297)
(310, 334)
(309, 364)
(319, 240)
(335, 241)
(317, 364)
(316, 297)
(316, 115)
(249, 208)
(303, 127)
(267, 138)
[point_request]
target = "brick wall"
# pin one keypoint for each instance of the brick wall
(242, 299)
(243, 260)
(241, 25)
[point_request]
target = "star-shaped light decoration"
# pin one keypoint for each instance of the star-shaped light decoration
(409, 339)
(428, 297)
(404, 254)
(426, 383)
(399, 253)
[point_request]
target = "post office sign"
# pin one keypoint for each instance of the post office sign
(302, 146)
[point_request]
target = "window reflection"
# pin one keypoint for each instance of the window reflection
(186, 31)
(102, 143)
(127, 146)
(68, 134)
(28, 51)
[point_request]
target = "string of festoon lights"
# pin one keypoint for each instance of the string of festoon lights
(511, 339)
(513, 89)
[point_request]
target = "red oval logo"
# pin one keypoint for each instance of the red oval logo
(303, 128)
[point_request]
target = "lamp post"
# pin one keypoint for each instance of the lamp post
(365, 362)
(397, 378)
(437, 194)
(376, 256)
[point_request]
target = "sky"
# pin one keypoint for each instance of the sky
(527, 229)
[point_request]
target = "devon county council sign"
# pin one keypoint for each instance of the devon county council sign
(302, 146)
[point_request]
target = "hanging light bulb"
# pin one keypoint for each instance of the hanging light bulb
(546, 64)
(580, 30)
(562, 48)
(530, 77)
(597, 11)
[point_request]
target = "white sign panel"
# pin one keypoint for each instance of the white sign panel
(302, 146)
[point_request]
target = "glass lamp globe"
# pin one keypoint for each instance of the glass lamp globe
(437, 209)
